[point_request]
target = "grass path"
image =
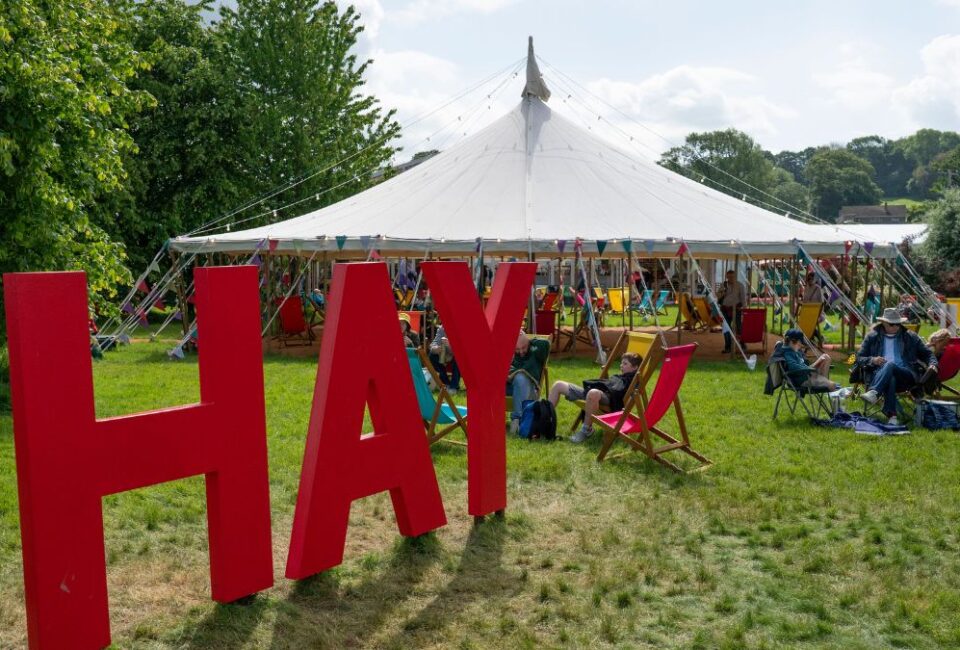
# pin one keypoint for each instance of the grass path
(798, 537)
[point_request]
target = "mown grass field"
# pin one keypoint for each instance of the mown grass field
(797, 537)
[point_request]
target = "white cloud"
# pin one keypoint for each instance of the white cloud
(684, 99)
(419, 11)
(933, 99)
(951, 3)
(854, 84)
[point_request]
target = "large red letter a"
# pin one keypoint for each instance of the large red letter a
(67, 459)
(362, 361)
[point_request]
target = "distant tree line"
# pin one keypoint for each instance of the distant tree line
(820, 180)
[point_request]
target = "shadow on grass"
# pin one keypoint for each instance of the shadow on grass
(343, 615)
(227, 625)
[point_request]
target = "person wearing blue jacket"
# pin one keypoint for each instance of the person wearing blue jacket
(894, 355)
(802, 375)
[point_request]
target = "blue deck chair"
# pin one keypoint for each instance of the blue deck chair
(646, 302)
(441, 416)
(662, 301)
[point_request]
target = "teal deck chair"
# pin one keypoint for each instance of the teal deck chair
(441, 416)
(646, 302)
(661, 302)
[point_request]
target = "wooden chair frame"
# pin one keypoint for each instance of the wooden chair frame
(443, 397)
(544, 385)
(637, 407)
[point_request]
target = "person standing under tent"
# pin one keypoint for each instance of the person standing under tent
(892, 353)
(526, 369)
(732, 297)
(813, 292)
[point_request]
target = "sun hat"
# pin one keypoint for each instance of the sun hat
(793, 334)
(405, 317)
(891, 316)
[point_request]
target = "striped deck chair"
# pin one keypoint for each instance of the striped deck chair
(638, 421)
(440, 416)
(648, 346)
(616, 299)
(808, 317)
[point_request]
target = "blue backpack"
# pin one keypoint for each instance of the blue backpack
(538, 420)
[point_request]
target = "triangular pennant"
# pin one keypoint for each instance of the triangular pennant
(627, 245)
(177, 315)
(341, 240)
(273, 245)
(127, 308)
(176, 353)
(142, 318)
(375, 254)
(868, 246)
(561, 244)
(159, 304)
(682, 250)
(143, 286)
(648, 244)
(256, 261)
(365, 242)
(261, 244)
(601, 246)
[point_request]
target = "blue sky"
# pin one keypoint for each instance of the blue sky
(790, 74)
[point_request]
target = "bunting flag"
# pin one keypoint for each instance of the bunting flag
(683, 249)
(154, 267)
(601, 246)
(159, 303)
(127, 308)
(833, 297)
(561, 244)
(868, 246)
(256, 261)
(176, 353)
(341, 240)
(142, 318)
(648, 244)
(869, 265)
(802, 258)
(261, 244)
(627, 245)
(375, 255)
(143, 286)
(177, 315)
(272, 244)
(365, 242)
(578, 245)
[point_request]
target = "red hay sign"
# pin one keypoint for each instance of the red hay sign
(67, 459)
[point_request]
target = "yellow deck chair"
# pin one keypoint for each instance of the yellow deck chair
(808, 316)
(617, 299)
(703, 310)
(913, 327)
(544, 384)
(647, 345)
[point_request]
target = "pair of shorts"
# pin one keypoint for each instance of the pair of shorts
(576, 392)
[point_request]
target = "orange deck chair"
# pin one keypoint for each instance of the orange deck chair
(636, 422)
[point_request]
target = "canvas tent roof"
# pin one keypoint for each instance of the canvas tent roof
(524, 183)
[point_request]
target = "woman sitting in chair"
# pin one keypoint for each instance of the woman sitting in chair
(609, 393)
(802, 375)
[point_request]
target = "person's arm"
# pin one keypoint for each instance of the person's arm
(924, 353)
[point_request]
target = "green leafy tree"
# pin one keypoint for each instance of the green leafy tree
(64, 106)
(921, 149)
(309, 121)
(941, 246)
(837, 178)
(794, 162)
(892, 167)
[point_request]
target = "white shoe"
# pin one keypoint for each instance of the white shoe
(870, 397)
(581, 435)
(514, 427)
(893, 421)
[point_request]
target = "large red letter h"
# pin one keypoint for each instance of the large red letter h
(67, 460)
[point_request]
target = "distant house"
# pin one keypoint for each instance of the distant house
(888, 214)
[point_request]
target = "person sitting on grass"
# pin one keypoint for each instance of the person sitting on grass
(595, 393)
(523, 380)
(410, 338)
(892, 352)
(802, 375)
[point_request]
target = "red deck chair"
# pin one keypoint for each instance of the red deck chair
(635, 427)
(546, 322)
(753, 328)
(293, 326)
(549, 302)
(949, 366)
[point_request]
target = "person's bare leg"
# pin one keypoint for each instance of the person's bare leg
(592, 406)
(559, 388)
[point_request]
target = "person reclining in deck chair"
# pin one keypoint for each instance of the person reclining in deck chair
(410, 338)
(523, 380)
(892, 352)
(440, 356)
(814, 375)
(609, 392)
(937, 343)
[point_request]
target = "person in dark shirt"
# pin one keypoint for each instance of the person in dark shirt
(526, 369)
(814, 375)
(609, 393)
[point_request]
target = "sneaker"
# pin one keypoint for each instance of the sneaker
(581, 435)
(893, 421)
(514, 427)
(451, 390)
(870, 397)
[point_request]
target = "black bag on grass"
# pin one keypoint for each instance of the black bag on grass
(538, 421)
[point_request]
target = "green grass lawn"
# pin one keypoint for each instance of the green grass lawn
(797, 537)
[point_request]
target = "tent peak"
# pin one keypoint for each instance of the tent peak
(536, 87)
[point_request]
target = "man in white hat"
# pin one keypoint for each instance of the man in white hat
(893, 356)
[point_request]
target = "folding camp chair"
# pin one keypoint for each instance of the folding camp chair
(659, 308)
(753, 328)
(616, 299)
(646, 302)
(649, 346)
(440, 412)
(812, 400)
(689, 317)
(808, 317)
(638, 420)
(293, 326)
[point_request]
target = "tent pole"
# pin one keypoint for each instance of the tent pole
(631, 286)
(181, 292)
